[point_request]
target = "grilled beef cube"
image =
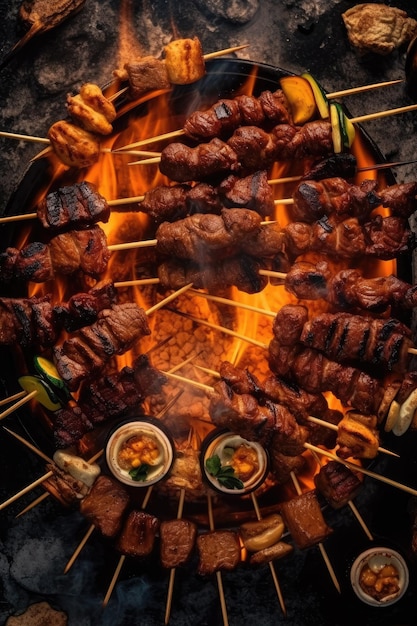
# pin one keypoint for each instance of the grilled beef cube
(166, 204)
(69, 426)
(105, 505)
(82, 308)
(218, 550)
(177, 538)
(252, 192)
(78, 204)
(337, 483)
(304, 520)
(33, 262)
(138, 535)
(240, 271)
(27, 322)
(283, 465)
(144, 74)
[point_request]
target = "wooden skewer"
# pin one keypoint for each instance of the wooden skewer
(330, 96)
(359, 468)
(123, 556)
(79, 548)
(352, 506)
(28, 445)
(173, 569)
(34, 503)
(18, 404)
(218, 573)
(270, 563)
(16, 396)
(321, 546)
(25, 490)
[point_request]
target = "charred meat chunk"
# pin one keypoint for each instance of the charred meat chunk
(218, 550)
(138, 534)
(105, 505)
(177, 540)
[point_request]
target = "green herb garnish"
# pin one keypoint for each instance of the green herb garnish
(225, 474)
(139, 473)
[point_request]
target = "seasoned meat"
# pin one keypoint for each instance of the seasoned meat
(105, 505)
(240, 271)
(145, 74)
(91, 110)
(78, 204)
(27, 322)
(83, 355)
(337, 483)
(218, 550)
(177, 538)
(138, 534)
(182, 163)
(201, 236)
(252, 192)
(304, 520)
(70, 424)
(348, 338)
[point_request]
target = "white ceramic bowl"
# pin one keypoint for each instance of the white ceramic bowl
(136, 431)
(224, 444)
(376, 559)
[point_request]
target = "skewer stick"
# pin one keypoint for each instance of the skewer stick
(25, 490)
(168, 299)
(352, 507)
(79, 548)
(34, 503)
(28, 445)
(321, 546)
(173, 569)
(359, 468)
(270, 563)
(320, 422)
(218, 573)
(329, 96)
(123, 556)
(16, 396)
(18, 404)
(222, 329)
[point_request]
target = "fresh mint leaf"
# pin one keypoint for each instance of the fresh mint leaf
(139, 473)
(225, 474)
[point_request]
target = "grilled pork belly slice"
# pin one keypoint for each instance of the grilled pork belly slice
(138, 534)
(304, 520)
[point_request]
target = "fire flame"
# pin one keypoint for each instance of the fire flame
(115, 179)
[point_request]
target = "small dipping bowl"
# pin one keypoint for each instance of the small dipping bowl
(375, 561)
(140, 452)
(248, 459)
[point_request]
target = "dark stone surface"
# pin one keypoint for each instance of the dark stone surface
(297, 36)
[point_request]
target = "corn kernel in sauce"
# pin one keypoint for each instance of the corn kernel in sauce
(245, 462)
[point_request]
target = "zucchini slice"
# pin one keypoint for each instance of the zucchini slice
(336, 130)
(319, 95)
(44, 394)
(343, 131)
(49, 374)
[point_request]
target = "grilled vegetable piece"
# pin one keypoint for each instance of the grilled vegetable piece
(44, 394)
(39, 16)
(300, 96)
(319, 95)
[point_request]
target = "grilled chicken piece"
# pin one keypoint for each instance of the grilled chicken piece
(74, 146)
(105, 505)
(92, 110)
(184, 61)
(357, 436)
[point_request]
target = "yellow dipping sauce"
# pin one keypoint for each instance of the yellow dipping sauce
(139, 450)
